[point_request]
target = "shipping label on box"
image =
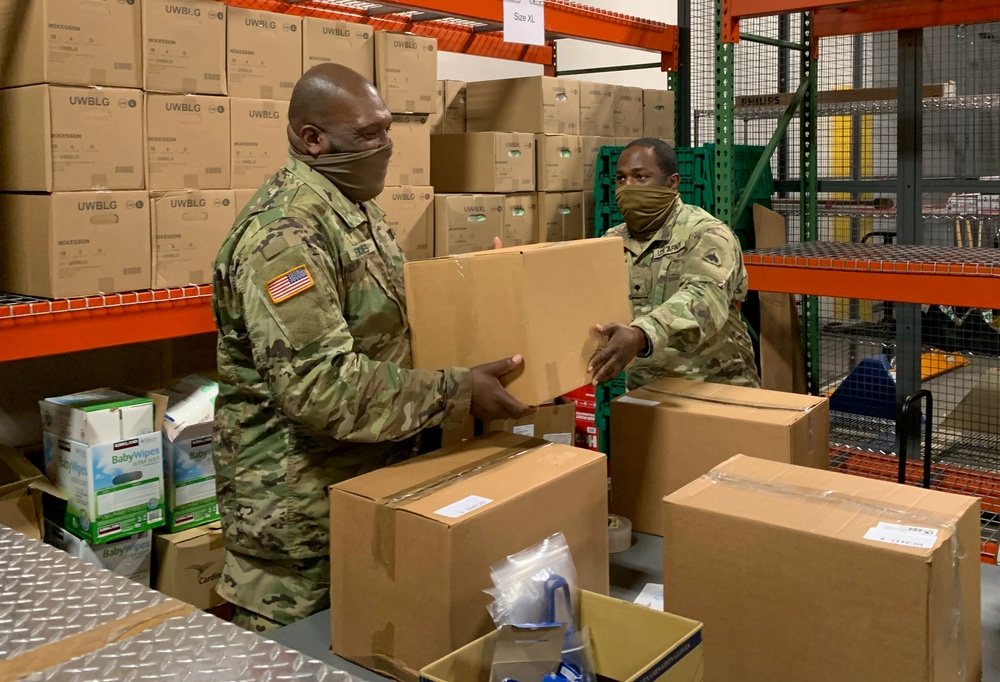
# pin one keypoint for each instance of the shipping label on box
(406, 72)
(411, 152)
(597, 109)
(77, 42)
(338, 42)
(188, 142)
(265, 53)
(658, 114)
(130, 557)
(185, 46)
(538, 104)
(560, 216)
(520, 219)
(259, 134)
(188, 230)
(560, 163)
(71, 138)
(409, 213)
(189, 565)
(483, 162)
(628, 112)
(465, 223)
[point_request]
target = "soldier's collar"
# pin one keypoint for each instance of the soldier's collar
(664, 234)
(341, 205)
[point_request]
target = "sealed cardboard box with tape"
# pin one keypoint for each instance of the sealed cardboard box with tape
(259, 134)
(58, 139)
(555, 423)
(520, 219)
(75, 243)
(338, 42)
(466, 223)
(483, 162)
(411, 151)
(409, 213)
(185, 46)
(628, 112)
(467, 506)
(189, 227)
(676, 430)
(73, 42)
(658, 114)
(406, 72)
(512, 287)
(189, 565)
(537, 104)
(560, 216)
(597, 109)
(559, 163)
(264, 53)
(187, 141)
(800, 542)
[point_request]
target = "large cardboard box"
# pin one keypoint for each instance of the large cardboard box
(409, 213)
(597, 109)
(265, 53)
(591, 148)
(406, 72)
(675, 430)
(57, 139)
(187, 142)
(68, 42)
(561, 217)
(658, 114)
(629, 642)
(451, 114)
(520, 219)
(75, 243)
(189, 565)
(628, 110)
(259, 134)
(185, 46)
(130, 557)
(465, 507)
(483, 162)
(338, 42)
(537, 104)
(189, 227)
(466, 223)
(555, 423)
(555, 334)
(793, 561)
(411, 151)
(560, 163)
(18, 506)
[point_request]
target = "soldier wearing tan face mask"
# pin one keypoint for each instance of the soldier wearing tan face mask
(315, 378)
(687, 276)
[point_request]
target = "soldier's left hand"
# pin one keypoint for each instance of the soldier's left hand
(624, 343)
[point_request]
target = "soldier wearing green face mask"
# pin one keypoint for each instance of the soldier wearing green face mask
(315, 378)
(687, 276)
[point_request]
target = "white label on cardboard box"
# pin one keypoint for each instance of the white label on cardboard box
(651, 596)
(463, 507)
(526, 430)
(908, 536)
(560, 438)
(637, 401)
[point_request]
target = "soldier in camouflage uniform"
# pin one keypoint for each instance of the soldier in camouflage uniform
(314, 352)
(687, 276)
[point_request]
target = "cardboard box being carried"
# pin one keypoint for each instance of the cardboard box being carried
(406, 72)
(554, 333)
(58, 139)
(597, 109)
(483, 162)
(18, 507)
(466, 223)
(185, 46)
(189, 227)
(189, 565)
(265, 53)
(520, 219)
(409, 213)
(66, 41)
(130, 557)
(384, 527)
(630, 643)
(187, 141)
(338, 42)
(676, 430)
(451, 114)
(794, 561)
(555, 423)
(537, 104)
(561, 216)
(258, 131)
(411, 152)
(628, 112)
(560, 163)
(658, 114)
(75, 243)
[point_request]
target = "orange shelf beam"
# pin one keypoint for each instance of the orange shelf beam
(32, 330)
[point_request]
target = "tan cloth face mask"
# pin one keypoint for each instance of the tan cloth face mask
(359, 176)
(645, 207)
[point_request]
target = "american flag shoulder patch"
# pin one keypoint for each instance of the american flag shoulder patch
(290, 283)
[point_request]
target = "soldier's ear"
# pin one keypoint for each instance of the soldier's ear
(674, 181)
(312, 139)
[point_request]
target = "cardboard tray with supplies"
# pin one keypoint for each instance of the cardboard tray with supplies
(629, 643)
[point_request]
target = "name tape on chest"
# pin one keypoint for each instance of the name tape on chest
(362, 250)
(666, 250)
(289, 284)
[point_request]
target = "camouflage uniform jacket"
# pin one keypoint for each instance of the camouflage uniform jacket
(315, 384)
(685, 284)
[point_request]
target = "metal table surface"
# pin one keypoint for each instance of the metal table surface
(630, 571)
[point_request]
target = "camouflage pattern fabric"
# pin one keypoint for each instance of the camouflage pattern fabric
(270, 594)
(315, 384)
(685, 283)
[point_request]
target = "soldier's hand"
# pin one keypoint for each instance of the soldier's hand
(490, 400)
(624, 343)
(497, 243)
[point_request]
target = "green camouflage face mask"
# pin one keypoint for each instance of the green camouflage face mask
(645, 207)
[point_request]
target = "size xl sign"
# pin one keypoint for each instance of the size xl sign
(524, 21)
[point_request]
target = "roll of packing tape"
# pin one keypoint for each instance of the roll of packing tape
(619, 533)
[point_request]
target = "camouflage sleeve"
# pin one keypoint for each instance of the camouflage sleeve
(313, 367)
(710, 279)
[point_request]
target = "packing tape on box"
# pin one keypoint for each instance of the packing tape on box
(619, 533)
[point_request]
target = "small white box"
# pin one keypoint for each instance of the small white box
(100, 416)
